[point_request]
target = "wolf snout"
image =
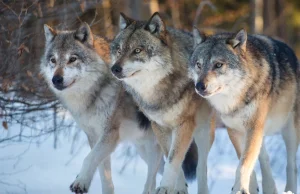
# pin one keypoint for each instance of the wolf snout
(58, 81)
(117, 70)
(206, 90)
(201, 87)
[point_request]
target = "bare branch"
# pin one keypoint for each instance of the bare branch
(9, 8)
(200, 8)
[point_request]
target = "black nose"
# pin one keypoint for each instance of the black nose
(200, 86)
(57, 80)
(116, 69)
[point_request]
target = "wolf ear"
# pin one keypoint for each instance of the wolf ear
(199, 37)
(155, 24)
(84, 34)
(49, 33)
(124, 21)
(240, 40)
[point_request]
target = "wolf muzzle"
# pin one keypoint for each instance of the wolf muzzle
(201, 87)
(58, 82)
(117, 70)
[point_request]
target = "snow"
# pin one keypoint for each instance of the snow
(37, 168)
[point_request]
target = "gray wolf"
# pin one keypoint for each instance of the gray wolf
(76, 68)
(253, 82)
(151, 61)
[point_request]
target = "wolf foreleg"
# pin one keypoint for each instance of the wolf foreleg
(102, 149)
(204, 137)
(152, 155)
(237, 138)
(253, 143)
(268, 183)
(104, 168)
(105, 175)
(181, 140)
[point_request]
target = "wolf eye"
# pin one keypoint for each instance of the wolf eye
(198, 65)
(119, 50)
(72, 59)
(137, 50)
(218, 65)
(53, 60)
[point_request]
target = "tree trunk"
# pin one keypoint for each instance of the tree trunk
(269, 17)
(107, 18)
(281, 20)
(175, 13)
(256, 17)
(136, 6)
(153, 6)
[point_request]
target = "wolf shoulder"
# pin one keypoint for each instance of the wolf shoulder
(262, 47)
(182, 39)
(273, 50)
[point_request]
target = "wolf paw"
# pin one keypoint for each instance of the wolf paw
(181, 192)
(162, 190)
(240, 192)
(256, 191)
(80, 185)
(166, 190)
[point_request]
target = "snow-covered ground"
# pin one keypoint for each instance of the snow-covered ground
(37, 168)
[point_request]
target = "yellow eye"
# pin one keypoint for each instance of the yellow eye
(72, 59)
(218, 65)
(137, 50)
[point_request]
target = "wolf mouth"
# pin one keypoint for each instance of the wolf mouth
(71, 83)
(134, 73)
(210, 94)
(121, 77)
(62, 87)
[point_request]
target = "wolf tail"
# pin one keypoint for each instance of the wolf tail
(190, 162)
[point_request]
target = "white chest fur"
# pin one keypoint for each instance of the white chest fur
(95, 119)
(168, 117)
(276, 120)
(92, 118)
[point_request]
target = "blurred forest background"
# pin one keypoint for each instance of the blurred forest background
(22, 90)
(25, 100)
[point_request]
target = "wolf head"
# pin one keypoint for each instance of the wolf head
(139, 47)
(70, 61)
(218, 62)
